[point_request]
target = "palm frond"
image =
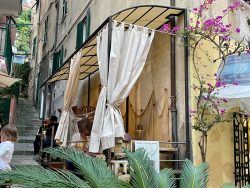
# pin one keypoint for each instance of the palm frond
(92, 169)
(38, 177)
(228, 185)
(143, 175)
(194, 177)
(112, 182)
(166, 179)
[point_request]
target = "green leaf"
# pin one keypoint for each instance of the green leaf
(166, 179)
(143, 175)
(94, 170)
(37, 176)
(194, 177)
(228, 185)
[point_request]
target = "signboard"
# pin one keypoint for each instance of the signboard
(152, 149)
(236, 69)
(19, 59)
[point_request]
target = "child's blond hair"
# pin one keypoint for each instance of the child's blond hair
(10, 132)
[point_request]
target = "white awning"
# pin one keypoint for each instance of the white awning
(238, 96)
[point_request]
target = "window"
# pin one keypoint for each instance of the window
(60, 57)
(34, 47)
(65, 3)
(83, 29)
(45, 36)
(57, 60)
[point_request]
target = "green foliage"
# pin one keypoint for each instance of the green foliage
(37, 176)
(142, 173)
(94, 170)
(194, 177)
(166, 179)
(22, 42)
(96, 174)
(9, 91)
(22, 71)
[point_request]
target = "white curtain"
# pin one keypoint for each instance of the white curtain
(62, 132)
(129, 50)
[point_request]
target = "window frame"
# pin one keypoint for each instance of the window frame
(46, 25)
(65, 8)
(83, 28)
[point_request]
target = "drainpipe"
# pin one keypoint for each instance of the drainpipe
(173, 85)
(36, 58)
(188, 128)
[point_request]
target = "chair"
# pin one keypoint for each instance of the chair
(84, 117)
(47, 140)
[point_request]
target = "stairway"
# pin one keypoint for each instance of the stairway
(27, 124)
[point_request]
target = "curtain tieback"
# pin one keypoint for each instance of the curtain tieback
(114, 107)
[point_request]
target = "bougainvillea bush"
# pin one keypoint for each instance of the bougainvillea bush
(218, 33)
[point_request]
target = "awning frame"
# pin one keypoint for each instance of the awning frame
(109, 21)
(94, 34)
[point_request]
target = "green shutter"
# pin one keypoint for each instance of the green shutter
(8, 48)
(34, 48)
(45, 37)
(65, 6)
(80, 25)
(60, 56)
(88, 19)
(79, 35)
(55, 62)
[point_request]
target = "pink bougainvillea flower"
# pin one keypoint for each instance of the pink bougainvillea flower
(225, 100)
(166, 28)
(209, 85)
(223, 30)
(176, 29)
(192, 111)
(237, 30)
(222, 111)
(195, 9)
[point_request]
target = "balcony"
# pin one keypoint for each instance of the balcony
(10, 7)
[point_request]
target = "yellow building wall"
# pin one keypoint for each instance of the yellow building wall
(220, 154)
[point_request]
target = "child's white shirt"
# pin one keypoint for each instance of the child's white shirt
(6, 152)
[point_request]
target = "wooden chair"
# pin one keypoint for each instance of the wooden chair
(48, 161)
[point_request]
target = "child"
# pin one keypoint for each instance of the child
(8, 137)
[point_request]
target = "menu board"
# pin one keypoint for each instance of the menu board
(236, 69)
(152, 149)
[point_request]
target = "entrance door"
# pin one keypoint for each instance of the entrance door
(241, 149)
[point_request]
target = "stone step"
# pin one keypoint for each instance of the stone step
(26, 128)
(17, 152)
(24, 147)
(27, 124)
(23, 160)
(27, 132)
(26, 139)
